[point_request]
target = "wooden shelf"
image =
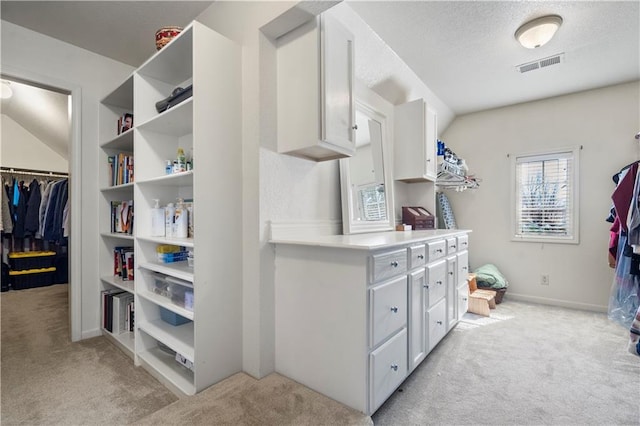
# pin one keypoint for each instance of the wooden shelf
(169, 369)
(177, 337)
(165, 303)
(125, 341)
(119, 282)
(176, 269)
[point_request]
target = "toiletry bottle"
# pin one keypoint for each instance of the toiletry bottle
(182, 160)
(169, 215)
(157, 220)
(168, 168)
(181, 221)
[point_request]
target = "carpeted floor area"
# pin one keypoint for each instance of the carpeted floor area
(526, 365)
(47, 380)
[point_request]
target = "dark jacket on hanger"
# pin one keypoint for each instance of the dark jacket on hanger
(32, 221)
(21, 211)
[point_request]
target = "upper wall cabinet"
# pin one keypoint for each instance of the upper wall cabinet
(415, 133)
(316, 117)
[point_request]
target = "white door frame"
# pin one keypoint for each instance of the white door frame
(75, 189)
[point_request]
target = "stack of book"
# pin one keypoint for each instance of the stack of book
(120, 169)
(122, 217)
(123, 263)
(117, 311)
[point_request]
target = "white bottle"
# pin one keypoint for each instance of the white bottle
(181, 221)
(157, 220)
(169, 217)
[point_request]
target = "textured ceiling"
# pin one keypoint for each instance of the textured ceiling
(466, 53)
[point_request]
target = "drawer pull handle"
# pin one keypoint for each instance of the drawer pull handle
(421, 256)
(394, 309)
(394, 264)
(438, 250)
(453, 246)
(439, 282)
(425, 286)
(439, 322)
(464, 268)
(464, 298)
(464, 244)
(394, 367)
(451, 273)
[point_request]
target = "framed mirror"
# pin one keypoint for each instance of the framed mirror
(365, 177)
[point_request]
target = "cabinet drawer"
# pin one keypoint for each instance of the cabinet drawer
(437, 325)
(463, 242)
(452, 245)
(417, 256)
(436, 249)
(387, 265)
(436, 282)
(387, 369)
(388, 304)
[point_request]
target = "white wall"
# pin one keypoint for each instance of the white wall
(36, 57)
(604, 122)
(21, 149)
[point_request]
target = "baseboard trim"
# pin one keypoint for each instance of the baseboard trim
(286, 230)
(91, 333)
(556, 302)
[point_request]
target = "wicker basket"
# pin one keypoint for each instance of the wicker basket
(499, 292)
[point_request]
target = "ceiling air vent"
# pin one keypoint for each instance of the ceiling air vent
(541, 63)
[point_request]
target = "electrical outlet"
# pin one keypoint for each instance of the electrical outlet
(544, 279)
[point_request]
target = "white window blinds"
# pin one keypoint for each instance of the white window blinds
(545, 196)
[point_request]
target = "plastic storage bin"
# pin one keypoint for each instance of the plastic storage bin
(172, 318)
(30, 278)
(31, 260)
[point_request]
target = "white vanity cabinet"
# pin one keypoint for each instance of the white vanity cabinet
(355, 314)
(415, 142)
(315, 77)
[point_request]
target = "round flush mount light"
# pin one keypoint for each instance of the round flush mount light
(538, 32)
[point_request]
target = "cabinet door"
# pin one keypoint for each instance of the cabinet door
(463, 266)
(338, 113)
(388, 309)
(436, 282)
(462, 293)
(437, 329)
(417, 332)
(387, 369)
(452, 283)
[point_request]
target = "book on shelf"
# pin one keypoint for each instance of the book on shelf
(122, 217)
(117, 311)
(120, 169)
(123, 262)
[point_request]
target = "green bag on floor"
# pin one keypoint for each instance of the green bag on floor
(489, 276)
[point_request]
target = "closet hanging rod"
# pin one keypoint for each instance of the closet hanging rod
(29, 172)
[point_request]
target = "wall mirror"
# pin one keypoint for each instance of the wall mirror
(365, 177)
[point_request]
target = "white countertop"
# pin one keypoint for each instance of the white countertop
(370, 241)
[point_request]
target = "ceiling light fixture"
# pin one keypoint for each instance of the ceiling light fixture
(6, 90)
(538, 32)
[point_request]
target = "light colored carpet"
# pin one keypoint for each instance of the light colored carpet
(47, 380)
(243, 400)
(527, 365)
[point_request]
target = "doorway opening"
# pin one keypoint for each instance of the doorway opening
(36, 148)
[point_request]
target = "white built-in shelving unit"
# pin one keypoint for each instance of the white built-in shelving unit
(208, 127)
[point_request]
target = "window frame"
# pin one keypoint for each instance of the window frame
(574, 238)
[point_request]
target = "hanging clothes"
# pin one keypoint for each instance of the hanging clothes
(21, 209)
(7, 222)
(31, 222)
(624, 298)
(634, 334)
